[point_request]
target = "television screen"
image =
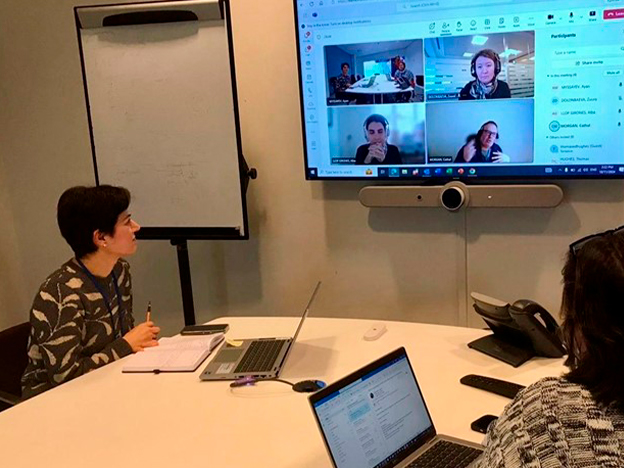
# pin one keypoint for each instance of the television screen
(466, 89)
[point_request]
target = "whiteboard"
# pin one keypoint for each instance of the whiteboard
(163, 117)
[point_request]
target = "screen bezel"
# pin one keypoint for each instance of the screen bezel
(414, 444)
(421, 180)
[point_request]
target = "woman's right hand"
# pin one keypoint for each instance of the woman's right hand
(469, 150)
(144, 335)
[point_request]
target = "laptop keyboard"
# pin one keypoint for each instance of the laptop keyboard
(260, 356)
(445, 454)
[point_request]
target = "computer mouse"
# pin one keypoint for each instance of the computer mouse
(308, 386)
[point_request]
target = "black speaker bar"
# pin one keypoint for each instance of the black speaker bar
(149, 17)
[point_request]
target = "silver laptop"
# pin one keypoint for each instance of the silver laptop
(261, 358)
(376, 417)
(370, 83)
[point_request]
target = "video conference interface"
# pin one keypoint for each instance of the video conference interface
(420, 89)
(374, 419)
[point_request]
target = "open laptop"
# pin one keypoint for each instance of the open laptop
(369, 83)
(376, 417)
(262, 358)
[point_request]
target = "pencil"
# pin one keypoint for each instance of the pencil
(148, 318)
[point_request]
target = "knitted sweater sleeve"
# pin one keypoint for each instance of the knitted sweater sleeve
(57, 319)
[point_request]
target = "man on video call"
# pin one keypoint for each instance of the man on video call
(377, 150)
(482, 147)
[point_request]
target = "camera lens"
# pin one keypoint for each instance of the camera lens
(452, 198)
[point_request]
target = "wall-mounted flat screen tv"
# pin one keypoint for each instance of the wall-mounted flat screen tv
(466, 89)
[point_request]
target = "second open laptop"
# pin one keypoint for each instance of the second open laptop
(376, 417)
(261, 358)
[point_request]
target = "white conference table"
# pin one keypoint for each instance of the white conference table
(382, 85)
(107, 418)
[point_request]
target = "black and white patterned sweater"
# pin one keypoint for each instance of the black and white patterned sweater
(555, 423)
(71, 328)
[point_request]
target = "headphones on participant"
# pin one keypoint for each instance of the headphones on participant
(376, 118)
(480, 132)
(487, 53)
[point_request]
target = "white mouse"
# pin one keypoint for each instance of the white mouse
(375, 331)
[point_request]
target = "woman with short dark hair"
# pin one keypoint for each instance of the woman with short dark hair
(81, 318)
(485, 67)
(576, 420)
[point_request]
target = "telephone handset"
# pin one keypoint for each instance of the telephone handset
(521, 330)
(540, 327)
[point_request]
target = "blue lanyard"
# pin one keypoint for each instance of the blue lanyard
(106, 300)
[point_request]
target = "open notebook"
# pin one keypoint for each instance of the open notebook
(175, 354)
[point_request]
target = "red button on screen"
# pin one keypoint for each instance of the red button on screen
(613, 14)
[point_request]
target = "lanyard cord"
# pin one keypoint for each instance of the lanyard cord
(106, 300)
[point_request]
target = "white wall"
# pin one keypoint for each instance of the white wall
(413, 58)
(386, 263)
(13, 300)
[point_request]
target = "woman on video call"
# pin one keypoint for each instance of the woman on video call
(485, 67)
(377, 150)
(402, 73)
(482, 147)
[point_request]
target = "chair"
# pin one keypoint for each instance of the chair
(332, 86)
(13, 361)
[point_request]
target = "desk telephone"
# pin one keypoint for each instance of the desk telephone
(522, 330)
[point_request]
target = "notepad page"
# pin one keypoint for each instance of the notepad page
(173, 359)
(186, 342)
(176, 354)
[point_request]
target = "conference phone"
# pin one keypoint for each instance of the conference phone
(522, 330)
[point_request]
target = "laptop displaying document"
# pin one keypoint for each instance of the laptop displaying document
(376, 417)
(262, 358)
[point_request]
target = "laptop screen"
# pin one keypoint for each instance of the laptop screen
(375, 417)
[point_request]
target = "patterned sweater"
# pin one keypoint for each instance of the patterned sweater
(555, 423)
(71, 330)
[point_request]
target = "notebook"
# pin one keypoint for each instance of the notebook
(261, 358)
(175, 354)
(376, 417)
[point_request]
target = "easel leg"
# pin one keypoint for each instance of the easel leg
(185, 281)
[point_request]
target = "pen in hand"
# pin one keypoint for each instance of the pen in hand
(148, 316)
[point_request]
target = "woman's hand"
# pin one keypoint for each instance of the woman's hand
(144, 335)
(375, 152)
(469, 150)
(500, 157)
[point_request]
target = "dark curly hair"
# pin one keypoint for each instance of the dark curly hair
(593, 317)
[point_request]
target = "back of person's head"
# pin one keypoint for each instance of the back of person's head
(593, 313)
(83, 210)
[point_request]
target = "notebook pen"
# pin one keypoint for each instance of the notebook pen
(148, 317)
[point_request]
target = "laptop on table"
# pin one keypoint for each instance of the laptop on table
(261, 358)
(376, 417)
